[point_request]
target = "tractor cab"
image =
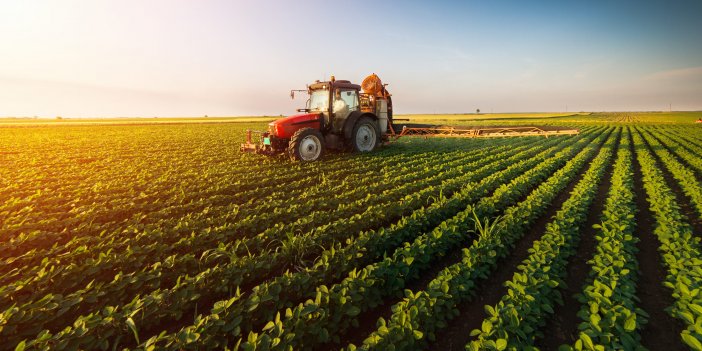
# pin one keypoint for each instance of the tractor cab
(334, 101)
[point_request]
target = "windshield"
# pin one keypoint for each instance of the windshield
(319, 100)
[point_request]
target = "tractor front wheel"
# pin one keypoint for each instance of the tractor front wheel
(365, 136)
(307, 145)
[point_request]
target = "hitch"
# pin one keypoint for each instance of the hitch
(264, 146)
(249, 145)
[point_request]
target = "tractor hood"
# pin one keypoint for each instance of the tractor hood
(286, 127)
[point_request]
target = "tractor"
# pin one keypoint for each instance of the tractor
(339, 115)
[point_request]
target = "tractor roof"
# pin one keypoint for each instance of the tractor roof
(336, 84)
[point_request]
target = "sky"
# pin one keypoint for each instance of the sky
(100, 58)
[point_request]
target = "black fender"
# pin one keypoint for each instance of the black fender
(352, 119)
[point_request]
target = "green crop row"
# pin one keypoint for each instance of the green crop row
(515, 321)
(689, 137)
(687, 180)
(679, 145)
(680, 249)
(610, 318)
(417, 318)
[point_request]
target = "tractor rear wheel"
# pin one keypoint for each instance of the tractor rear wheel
(365, 135)
(307, 145)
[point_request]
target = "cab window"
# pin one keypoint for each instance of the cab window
(350, 97)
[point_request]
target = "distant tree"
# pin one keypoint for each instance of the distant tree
(59, 117)
(477, 111)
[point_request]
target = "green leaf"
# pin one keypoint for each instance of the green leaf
(691, 341)
(353, 311)
(687, 316)
(132, 326)
(695, 308)
(269, 325)
(487, 326)
(501, 344)
(587, 341)
(417, 334)
(20, 346)
(308, 309)
(630, 324)
(490, 311)
(595, 320)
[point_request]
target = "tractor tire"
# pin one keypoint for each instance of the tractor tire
(365, 136)
(306, 145)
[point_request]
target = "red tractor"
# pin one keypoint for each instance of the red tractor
(339, 115)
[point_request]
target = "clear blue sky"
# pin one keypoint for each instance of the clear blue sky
(191, 58)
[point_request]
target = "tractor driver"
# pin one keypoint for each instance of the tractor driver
(340, 107)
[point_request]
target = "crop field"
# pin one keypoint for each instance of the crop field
(163, 236)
